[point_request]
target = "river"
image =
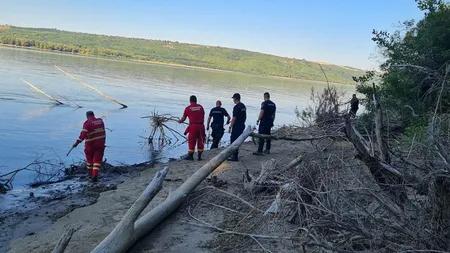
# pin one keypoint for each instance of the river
(31, 127)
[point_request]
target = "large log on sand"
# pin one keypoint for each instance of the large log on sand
(143, 226)
(123, 234)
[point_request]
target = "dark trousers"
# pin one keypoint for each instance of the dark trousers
(236, 131)
(353, 111)
(264, 129)
(217, 134)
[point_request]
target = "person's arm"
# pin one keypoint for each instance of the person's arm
(261, 113)
(228, 116)
(184, 116)
(208, 124)
(233, 120)
(82, 136)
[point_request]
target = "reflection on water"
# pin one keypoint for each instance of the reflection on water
(30, 124)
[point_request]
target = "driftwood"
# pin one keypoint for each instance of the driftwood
(150, 220)
(287, 138)
(387, 177)
(42, 92)
(90, 87)
(122, 237)
(62, 243)
(382, 144)
(268, 175)
(254, 184)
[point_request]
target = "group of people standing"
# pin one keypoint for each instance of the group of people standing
(94, 135)
(236, 122)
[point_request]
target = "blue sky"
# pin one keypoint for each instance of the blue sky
(333, 31)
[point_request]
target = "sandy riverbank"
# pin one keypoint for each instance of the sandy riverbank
(95, 219)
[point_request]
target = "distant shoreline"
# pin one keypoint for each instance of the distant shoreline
(164, 64)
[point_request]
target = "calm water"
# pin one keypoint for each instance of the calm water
(30, 126)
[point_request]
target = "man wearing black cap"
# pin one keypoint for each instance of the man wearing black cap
(237, 125)
(265, 120)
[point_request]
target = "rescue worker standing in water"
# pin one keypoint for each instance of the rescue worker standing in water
(237, 125)
(265, 120)
(217, 114)
(196, 128)
(94, 137)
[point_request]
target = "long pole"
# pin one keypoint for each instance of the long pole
(90, 87)
(42, 92)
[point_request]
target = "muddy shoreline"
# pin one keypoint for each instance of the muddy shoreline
(24, 212)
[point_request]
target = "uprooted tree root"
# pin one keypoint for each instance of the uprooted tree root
(166, 136)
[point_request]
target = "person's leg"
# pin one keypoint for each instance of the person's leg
(215, 142)
(89, 160)
(260, 141)
(192, 138)
(98, 159)
(269, 141)
(234, 135)
(200, 141)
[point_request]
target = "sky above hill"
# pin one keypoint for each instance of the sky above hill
(331, 31)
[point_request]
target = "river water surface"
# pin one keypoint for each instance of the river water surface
(32, 127)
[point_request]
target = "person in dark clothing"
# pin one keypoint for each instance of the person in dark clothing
(354, 106)
(237, 125)
(217, 114)
(265, 121)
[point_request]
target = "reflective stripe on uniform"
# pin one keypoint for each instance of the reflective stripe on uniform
(96, 131)
(200, 150)
(80, 140)
(96, 138)
(84, 130)
(191, 151)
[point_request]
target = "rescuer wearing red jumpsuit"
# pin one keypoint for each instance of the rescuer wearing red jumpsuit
(94, 135)
(196, 128)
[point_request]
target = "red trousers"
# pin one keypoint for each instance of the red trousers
(94, 158)
(196, 136)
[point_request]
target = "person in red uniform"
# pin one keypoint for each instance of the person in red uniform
(196, 128)
(94, 135)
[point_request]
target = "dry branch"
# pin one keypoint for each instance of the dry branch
(90, 87)
(42, 92)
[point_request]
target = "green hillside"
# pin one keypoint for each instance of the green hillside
(173, 53)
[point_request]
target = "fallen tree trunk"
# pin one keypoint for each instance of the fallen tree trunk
(287, 138)
(90, 87)
(42, 92)
(382, 144)
(386, 176)
(62, 243)
(150, 220)
(120, 238)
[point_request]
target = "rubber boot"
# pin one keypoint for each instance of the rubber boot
(200, 156)
(189, 157)
(234, 157)
(95, 176)
(89, 173)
